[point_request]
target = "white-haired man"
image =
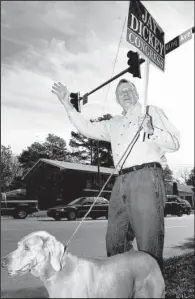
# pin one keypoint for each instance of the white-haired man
(138, 197)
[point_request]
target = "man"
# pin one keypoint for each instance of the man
(138, 197)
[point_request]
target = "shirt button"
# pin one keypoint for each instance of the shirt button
(118, 143)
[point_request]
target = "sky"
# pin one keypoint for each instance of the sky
(76, 42)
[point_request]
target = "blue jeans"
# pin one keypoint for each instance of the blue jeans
(136, 210)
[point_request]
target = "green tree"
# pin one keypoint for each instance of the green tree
(31, 155)
(105, 154)
(85, 150)
(191, 179)
(54, 148)
(82, 148)
(184, 174)
(105, 151)
(10, 167)
(167, 174)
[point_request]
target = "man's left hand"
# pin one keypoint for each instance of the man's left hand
(147, 124)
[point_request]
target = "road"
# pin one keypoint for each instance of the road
(89, 241)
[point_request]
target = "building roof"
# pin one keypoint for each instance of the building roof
(183, 187)
(68, 165)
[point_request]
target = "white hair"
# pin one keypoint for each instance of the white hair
(129, 82)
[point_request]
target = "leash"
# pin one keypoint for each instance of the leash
(134, 140)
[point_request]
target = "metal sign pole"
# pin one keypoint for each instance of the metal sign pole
(145, 85)
(145, 82)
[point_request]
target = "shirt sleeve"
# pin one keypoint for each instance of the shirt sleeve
(94, 130)
(165, 135)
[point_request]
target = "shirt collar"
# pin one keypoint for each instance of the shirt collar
(136, 108)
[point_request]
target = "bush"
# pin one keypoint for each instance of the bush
(180, 276)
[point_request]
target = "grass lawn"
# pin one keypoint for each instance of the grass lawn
(180, 276)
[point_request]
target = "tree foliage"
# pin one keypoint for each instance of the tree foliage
(82, 148)
(10, 167)
(105, 151)
(167, 174)
(185, 175)
(191, 179)
(86, 150)
(54, 148)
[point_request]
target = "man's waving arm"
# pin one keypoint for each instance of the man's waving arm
(95, 130)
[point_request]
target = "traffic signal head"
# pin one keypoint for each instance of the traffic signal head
(74, 99)
(134, 64)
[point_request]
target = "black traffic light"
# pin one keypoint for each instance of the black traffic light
(74, 99)
(134, 64)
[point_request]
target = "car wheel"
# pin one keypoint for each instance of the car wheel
(57, 218)
(20, 214)
(93, 217)
(179, 214)
(72, 216)
(188, 212)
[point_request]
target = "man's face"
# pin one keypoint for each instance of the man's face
(126, 95)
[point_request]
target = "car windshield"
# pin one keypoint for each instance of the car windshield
(77, 201)
(174, 198)
(89, 200)
(100, 200)
(16, 192)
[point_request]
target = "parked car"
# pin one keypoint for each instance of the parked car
(174, 206)
(16, 204)
(187, 207)
(79, 207)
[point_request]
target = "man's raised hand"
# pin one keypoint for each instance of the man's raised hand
(145, 121)
(62, 93)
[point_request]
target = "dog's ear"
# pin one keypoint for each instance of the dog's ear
(56, 250)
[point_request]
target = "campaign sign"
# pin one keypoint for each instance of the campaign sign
(144, 33)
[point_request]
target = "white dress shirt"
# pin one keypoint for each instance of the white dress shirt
(120, 130)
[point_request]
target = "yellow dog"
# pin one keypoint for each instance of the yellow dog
(133, 274)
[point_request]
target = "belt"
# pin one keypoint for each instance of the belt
(137, 167)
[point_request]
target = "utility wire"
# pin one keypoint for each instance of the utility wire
(114, 65)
